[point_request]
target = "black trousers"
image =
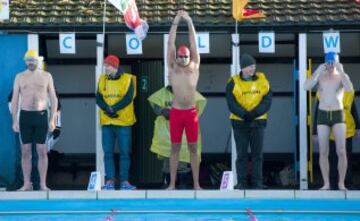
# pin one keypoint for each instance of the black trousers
(253, 137)
(333, 161)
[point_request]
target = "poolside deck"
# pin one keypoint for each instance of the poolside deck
(181, 194)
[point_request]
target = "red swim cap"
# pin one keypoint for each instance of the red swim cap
(183, 50)
(112, 60)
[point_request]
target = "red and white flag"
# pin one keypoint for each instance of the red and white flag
(131, 17)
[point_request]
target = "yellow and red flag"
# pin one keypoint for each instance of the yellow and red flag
(241, 13)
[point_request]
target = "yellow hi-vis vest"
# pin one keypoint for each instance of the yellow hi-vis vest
(348, 99)
(161, 144)
(249, 94)
(114, 91)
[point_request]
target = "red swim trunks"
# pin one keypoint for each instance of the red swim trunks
(184, 119)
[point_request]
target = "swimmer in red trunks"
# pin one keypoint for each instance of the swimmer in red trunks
(183, 66)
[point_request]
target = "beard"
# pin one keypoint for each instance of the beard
(32, 67)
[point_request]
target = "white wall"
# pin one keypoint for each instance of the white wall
(78, 126)
(213, 77)
(215, 126)
(70, 79)
(78, 114)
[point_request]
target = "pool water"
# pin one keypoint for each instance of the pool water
(182, 217)
(179, 210)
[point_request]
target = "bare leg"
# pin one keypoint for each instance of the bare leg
(194, 160)
(26, 166)
(339, 131)
(174, 159)
(42, 165)
(324, 132)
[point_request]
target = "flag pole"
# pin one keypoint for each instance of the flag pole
(235, 39)
(104, 24)
(237, 51)
(100, 48)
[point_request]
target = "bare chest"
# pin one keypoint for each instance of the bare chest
(34, 83)
(330, 83)
(185, 76)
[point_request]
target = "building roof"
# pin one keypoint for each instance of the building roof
(210, 13)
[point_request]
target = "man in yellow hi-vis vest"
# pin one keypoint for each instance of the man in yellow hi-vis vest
(161, 103)
(249, 97)
(115, 95)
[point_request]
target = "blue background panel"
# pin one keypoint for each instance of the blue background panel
(12, 50)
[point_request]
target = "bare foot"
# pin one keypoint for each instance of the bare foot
(197, 187)
(44, 188)
(27, 187)
(325, 187)
(170, 188)
(342, 187)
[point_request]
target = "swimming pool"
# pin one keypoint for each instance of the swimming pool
(180, 210)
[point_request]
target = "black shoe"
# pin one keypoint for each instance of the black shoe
(14, 186)
(258, 186)
(166, 180)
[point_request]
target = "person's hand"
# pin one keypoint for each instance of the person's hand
(114, 115)
(166, 113)
(181, 13)
(358, 133)
(56, 132)
(315, 139)
(320, 70)
(339, 67)
(186, 16)
(15, 126)
(248, 117)
(110, 112)
(52, 125)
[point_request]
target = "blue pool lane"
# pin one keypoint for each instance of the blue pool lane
(171, 205)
